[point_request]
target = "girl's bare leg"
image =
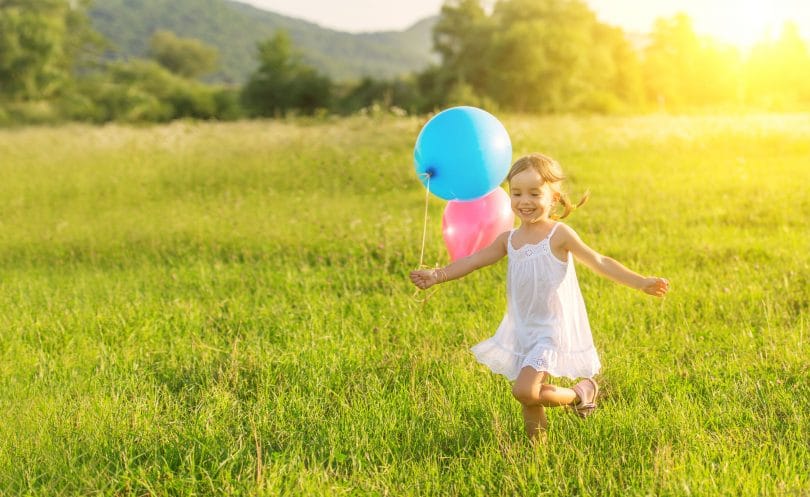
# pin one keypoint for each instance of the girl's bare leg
(554, 396)
(534, 395)
(535, 422)
(526, 390)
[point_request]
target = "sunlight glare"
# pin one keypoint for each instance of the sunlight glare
(748, 22)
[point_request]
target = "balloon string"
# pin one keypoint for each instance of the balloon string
(424, 225)
(422, 265)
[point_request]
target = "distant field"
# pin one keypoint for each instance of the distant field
(223, 309)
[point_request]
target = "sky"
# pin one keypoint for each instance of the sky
(741, 22)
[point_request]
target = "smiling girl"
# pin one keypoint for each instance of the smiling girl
(545, 331)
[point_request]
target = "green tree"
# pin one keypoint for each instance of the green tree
(684, 70)
(461, 36)
(543, 55)
(720, 79)
(532, 56)
(41, 41)
(283, 82)
(776, 71)
(43, 45)
(431, 85)
(615, 71)
(32, 54)
(186, 57)
(669, 60)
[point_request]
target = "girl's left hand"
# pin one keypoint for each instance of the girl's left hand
(655, 286)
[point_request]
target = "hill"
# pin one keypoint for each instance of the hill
(235, 29)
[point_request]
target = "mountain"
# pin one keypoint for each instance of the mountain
(235, 29)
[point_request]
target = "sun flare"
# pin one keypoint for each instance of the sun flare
(748, 22)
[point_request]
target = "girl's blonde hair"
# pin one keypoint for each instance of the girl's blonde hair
(551, 172)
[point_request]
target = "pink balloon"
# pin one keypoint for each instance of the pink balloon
(469, 226)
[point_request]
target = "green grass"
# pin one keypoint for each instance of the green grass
(223, 309)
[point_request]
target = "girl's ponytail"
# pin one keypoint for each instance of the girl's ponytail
(568, 207)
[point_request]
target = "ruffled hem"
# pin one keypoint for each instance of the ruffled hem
(505, 361)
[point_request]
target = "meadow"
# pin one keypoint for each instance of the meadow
(224, 309)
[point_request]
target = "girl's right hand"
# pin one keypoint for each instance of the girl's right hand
(657, 287)
(424, 278)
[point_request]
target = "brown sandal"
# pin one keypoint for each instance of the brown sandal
(585, 407)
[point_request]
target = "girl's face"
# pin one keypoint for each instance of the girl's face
(532, 198)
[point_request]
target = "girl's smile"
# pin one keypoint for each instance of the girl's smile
(531, 197)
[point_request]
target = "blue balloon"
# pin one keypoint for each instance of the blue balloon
(465, 150)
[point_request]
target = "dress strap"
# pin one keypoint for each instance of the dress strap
(509, 240)
(553, 229)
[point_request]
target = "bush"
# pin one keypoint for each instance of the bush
(30, 112)
(142, 90)
(600, 102)
(228, 104)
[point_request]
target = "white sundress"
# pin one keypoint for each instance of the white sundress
(545, 325)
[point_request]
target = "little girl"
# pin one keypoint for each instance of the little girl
(545, 330)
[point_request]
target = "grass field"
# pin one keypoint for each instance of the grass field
(224, 309)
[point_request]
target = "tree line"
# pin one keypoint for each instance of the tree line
(522, 56)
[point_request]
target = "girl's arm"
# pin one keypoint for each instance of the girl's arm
(607, 267)
(425, 278)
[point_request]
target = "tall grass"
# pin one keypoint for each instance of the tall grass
(223, 309)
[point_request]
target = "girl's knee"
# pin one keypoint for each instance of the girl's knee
(531, 395)
(528, 395)
(545, 393)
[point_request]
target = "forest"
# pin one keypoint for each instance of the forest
(522, 56)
